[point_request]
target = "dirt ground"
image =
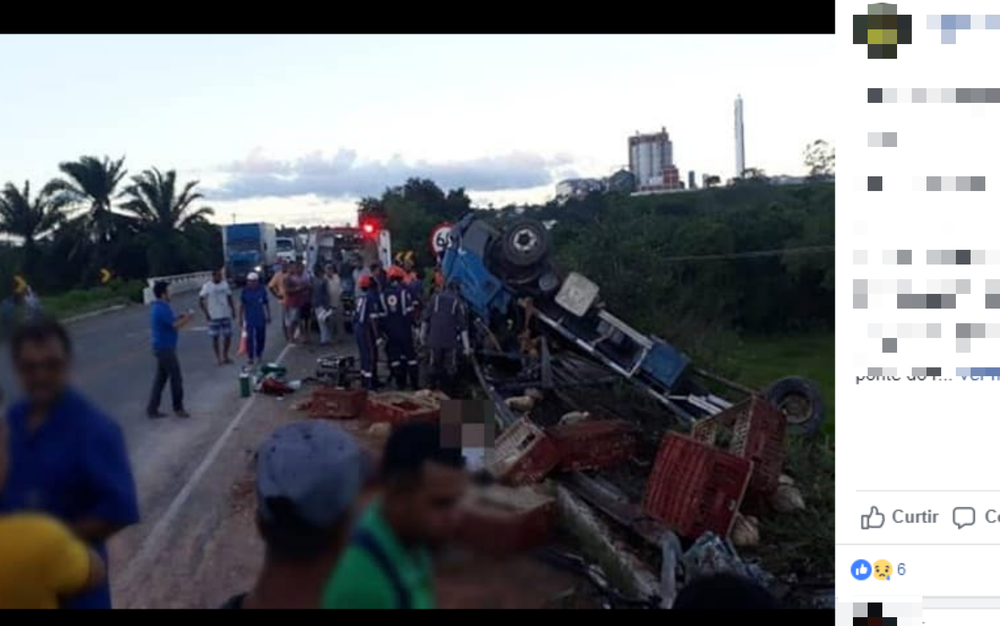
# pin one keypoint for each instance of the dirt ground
(209, 549)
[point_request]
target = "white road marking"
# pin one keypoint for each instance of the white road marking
(150, 545)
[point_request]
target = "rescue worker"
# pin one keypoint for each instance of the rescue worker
(367, 313)
(399, 316)
(444, 325)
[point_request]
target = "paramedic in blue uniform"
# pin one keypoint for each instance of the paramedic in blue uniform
(399, 330)
(367, 317)
(67, 457)
(444, 332)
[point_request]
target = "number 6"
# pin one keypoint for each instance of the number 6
(901, 569)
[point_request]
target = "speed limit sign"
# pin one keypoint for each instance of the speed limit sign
(439, 238)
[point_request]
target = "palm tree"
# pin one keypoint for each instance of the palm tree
(164, 214)
(27, 219)
(91, 184)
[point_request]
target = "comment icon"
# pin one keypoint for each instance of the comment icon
(963, 516)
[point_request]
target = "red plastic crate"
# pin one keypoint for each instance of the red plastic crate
(696, 487)
(522, 454)
(594, 444)
(338, 403)
(397, 408)
(501, 521)
(758, 434)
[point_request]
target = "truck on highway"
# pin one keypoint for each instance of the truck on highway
(250, 247)
(287, 248)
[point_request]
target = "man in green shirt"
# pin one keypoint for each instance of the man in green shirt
(388, 562)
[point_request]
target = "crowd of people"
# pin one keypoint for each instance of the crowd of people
(337, 530)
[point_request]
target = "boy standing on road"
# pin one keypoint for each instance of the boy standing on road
(216, 300)
(164, 325)
(255, 315)
(67, 458)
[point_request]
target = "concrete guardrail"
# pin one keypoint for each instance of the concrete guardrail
(178, 284)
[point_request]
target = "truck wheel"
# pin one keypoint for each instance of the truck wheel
(525, 243)
(801, 403)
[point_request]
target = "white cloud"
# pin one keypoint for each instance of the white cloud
(345, 175)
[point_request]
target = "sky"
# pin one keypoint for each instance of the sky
(294, 129)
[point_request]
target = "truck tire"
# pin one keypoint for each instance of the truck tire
(800, 401)
(525, 243)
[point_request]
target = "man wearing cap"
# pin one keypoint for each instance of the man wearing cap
(255, 315)
(309, 477)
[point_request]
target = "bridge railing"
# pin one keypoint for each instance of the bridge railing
(179, 283)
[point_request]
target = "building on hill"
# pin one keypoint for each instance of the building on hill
(621, 181)
(576, 188)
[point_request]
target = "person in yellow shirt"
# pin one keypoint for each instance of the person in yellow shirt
(41, 562)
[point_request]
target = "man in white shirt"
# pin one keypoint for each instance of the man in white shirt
(216, 299)
(335, 289)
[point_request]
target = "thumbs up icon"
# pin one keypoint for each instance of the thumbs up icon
(874, 519)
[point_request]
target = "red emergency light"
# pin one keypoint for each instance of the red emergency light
(369, 228)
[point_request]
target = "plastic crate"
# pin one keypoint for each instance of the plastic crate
(522, 455)
(696, 487)
(757, 433)
(592, 445)
(337, 403)
(398, 408)
(501, 521)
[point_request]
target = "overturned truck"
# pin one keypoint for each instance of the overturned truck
(507, 280)
(541, 333)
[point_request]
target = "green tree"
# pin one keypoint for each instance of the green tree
(820, 159)
(28, 219)
(91, 185)
(165, 213)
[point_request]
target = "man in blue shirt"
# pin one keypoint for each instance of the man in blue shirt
(67, 458)
(255, 315)
(164, 325)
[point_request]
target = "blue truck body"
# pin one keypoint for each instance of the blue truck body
(249, 247)
(647, 359)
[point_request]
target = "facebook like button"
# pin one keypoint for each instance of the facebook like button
(861, 569)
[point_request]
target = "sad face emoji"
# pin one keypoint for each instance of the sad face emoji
(883, 570)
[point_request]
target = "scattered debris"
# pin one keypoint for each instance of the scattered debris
(746, 531)
(338, 403)
(522, 454)
(271, 385)
(696, 487)
(594, 444)
(433, 396)
(521, 404)
(397, 407)
(787, 498)
(756, 430)
(574, 417)
(535, 394)
(500, 520)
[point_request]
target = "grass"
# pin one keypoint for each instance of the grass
(759, 361)
(801, 542)
(80, 301)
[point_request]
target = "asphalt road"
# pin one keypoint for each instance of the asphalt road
(114, 367)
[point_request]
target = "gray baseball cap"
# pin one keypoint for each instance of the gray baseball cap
(314, 465)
